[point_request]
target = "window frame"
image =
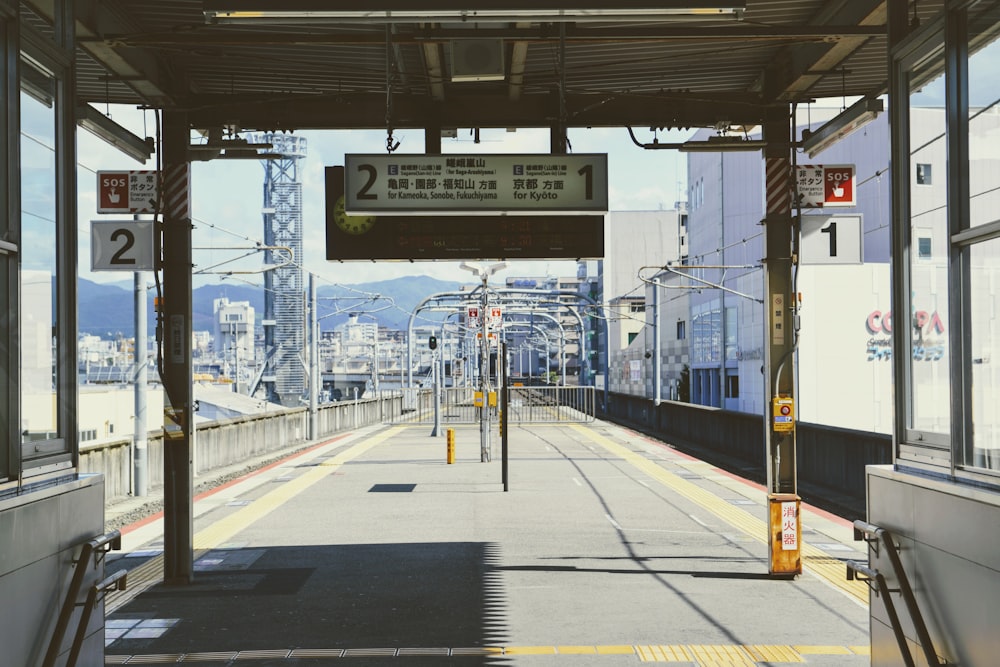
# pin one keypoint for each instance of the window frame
(54, 54)
(946, 38)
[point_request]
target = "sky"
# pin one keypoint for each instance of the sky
(227, 195)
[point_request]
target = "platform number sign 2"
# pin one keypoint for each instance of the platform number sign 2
(121, 245)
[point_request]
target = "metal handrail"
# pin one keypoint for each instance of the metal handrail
(99, 545)
(881, 535)
(116, 582)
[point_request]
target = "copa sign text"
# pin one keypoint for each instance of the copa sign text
(477, 184)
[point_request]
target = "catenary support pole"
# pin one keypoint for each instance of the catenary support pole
(314, 372)
(178, 390)
(784, 528)
(140, 462)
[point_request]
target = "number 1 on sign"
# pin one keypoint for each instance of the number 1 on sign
(587, 171)
(831, 229)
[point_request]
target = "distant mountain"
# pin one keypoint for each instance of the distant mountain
(106, 310)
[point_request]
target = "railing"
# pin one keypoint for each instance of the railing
(224, 442)
(93, 549)
(528, 405)
(551, 404)
(831, 461)
(877, 538)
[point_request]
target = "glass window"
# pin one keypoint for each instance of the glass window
(681, 329)
(732, 386)
(706, 333)
(732, 343)
(982, 253)
(985, 351)
(923, 247)
(984, 116)
(38, 260)
(923, 174)
(930, 396)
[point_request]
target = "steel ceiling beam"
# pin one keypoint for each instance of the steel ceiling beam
(366, 111)
(145, 72)
(520, 33)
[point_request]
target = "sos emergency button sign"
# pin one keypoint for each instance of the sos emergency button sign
(825, 185)
(126, 192)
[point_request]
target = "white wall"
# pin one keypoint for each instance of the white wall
(845, 377)
(110, 412)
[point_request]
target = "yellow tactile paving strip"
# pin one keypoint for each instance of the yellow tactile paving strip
(819, 563)
(218, 533)
(703, 655)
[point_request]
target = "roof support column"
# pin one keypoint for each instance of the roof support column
(175, 323)
(784, 527)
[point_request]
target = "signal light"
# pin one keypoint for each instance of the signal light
(432, 342)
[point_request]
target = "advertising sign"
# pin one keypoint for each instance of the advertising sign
(475, 184)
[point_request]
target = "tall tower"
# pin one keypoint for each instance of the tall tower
(284, 305)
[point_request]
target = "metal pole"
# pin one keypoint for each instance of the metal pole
(313, 361)
(779, 353)
(657, 352)
(355, 406)
(484, 377)
(442, 376)
(504, 421)
(436, 384)
(140, 464)
(178, 391)
(375, 354)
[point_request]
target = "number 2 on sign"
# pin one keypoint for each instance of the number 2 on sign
(129, 241)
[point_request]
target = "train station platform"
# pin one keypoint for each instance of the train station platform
(609, 548)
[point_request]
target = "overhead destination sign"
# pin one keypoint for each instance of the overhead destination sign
(461, 236)
(476, 184)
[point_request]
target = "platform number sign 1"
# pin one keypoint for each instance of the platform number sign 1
(121, 245)
(831, 239)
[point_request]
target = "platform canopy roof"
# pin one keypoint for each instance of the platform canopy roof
(303, 64)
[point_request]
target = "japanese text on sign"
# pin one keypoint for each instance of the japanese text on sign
(789, 527)
(495, 320)
(475, 183)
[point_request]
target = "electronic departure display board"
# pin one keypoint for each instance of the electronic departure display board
(455, 237)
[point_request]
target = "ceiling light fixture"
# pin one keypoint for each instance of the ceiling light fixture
(232, 148)
(722, 143)
(393, 11)
(108, 130)
(853, 118)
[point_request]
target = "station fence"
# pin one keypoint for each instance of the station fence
(830, 461)
(528, 405)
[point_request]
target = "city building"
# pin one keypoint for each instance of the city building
(637, 245)
(726, 193)
(234, 341)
